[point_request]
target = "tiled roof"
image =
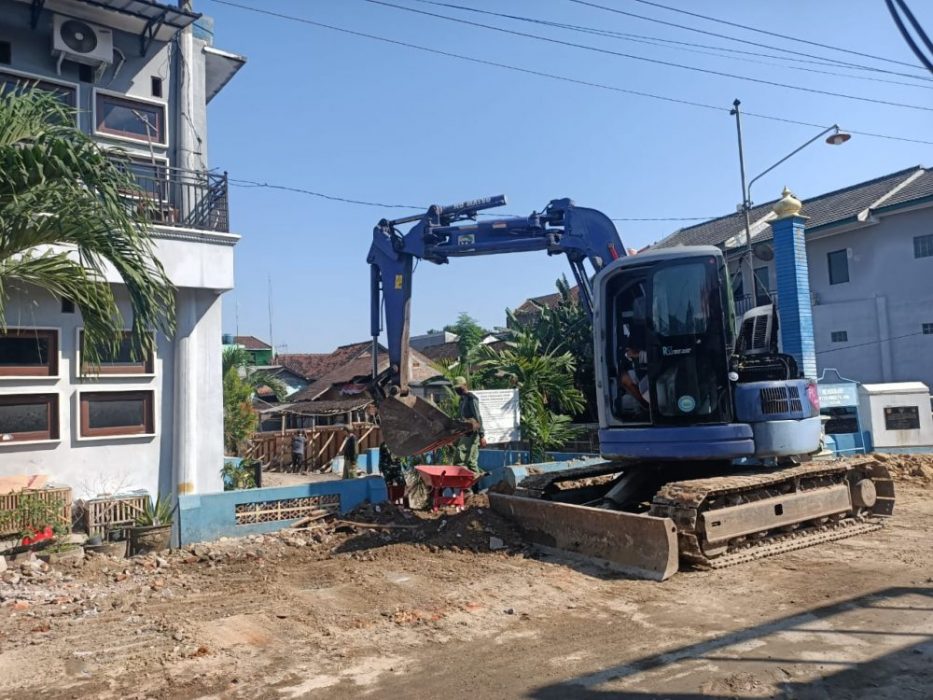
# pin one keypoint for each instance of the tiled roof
(822, 210)
(357, 362)
(251, 342)
(532, 304)
(313, 366)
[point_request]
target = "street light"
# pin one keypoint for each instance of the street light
(835, 138)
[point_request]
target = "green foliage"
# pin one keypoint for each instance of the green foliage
(469, 336)
(34, 513)
(544, 377)
(240, 420)
(59, 189)
(156, 513)
(567, 327)
(239, 476)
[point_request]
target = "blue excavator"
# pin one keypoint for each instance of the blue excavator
(706, 429)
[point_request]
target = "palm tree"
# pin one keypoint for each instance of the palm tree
(548, 395)
(237, 358)
(64, 218)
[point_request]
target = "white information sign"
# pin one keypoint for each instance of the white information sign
(501, 415)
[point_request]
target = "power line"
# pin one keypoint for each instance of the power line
(656, 61)
(553, 76)
(253, 184)
(688, 46)
(918, 52)
(743, 41)
(775, 34)
(871, 342)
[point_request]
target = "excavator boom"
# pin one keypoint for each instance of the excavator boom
(412, 425)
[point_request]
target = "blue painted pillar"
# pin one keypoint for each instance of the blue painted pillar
(795, 313)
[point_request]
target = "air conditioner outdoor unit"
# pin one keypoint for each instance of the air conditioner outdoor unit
(82, 42)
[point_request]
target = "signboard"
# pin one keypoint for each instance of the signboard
(501, 415)
(838, 395)
(902, 418)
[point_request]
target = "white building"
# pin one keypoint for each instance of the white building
(141, 74)
(870, 257)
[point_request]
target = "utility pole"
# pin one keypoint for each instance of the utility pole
(746, 205)
(271, 340)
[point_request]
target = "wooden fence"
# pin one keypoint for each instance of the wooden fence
(322, 444)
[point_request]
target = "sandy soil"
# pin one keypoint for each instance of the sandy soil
(427, 610)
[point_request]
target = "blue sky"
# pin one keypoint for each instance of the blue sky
(361, 119)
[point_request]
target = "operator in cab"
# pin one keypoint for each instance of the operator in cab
(468, 446)
(634, 380)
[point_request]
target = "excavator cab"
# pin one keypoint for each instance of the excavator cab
(670, 383)
(668, 332)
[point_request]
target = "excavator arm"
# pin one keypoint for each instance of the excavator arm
(412, 425)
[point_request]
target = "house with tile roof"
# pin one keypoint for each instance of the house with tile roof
(259, 350)
(870, 256)
(337, 384)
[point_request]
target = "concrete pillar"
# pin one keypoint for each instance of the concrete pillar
(795, 312)
(186, 380)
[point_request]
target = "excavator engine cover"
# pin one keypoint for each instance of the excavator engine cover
(413, 426)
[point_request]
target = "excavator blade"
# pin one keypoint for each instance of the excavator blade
(412, 426)
(638, 545)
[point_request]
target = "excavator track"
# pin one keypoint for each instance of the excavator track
(726, 520)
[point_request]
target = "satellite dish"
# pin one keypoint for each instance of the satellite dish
(78, 36)
(763, 251)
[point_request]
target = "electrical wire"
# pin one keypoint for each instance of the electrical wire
(872, 342)
(906, 35)
(745, 41)
(774, 34)
(253, 184)
(554, 76)
(690, 47)
(655, 61)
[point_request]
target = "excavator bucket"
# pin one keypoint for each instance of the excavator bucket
(638, 545)
(412, 426)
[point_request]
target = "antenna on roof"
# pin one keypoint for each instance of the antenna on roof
(271, 339)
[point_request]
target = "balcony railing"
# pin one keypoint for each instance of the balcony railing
(183, 198)
(747, 302)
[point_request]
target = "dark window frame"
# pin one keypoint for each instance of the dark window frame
(156, 86)
(144, 367)
(842, 254)
(926, 328)
(48, 371)
(160, 138)
(923, 246)
(41, 83)
(145, 429)
(839, 336)
(52, 404)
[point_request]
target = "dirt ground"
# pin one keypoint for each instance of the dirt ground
(428, 609)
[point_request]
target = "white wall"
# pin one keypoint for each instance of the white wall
(871, 409)
(90, 466)
(883, 306)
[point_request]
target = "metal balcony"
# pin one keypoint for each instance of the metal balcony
(182, 198)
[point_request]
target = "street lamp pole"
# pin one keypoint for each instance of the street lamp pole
(746, 204)
(836, 138)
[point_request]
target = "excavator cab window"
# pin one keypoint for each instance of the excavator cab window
(669, 343)
(688, 354)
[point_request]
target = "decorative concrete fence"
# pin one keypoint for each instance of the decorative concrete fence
(205, 517)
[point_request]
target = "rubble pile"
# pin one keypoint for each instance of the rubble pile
(911, 468)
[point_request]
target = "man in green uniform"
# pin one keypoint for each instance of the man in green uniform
(468, 447)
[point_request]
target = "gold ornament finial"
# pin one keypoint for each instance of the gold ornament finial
(788, 205)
